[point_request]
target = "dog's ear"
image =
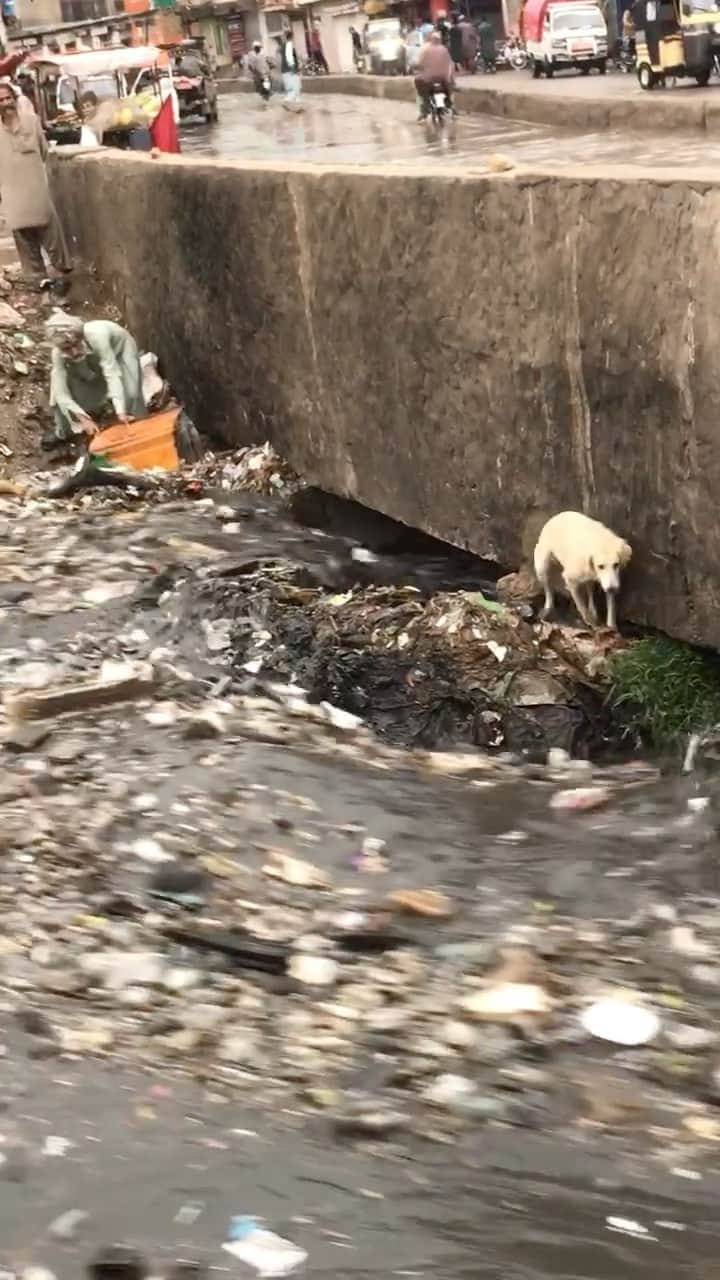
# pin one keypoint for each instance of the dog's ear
(625, 553)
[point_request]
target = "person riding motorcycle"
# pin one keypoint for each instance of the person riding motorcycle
(434, 67)
(258, 65)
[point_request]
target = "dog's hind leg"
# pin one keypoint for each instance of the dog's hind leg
(543, 571)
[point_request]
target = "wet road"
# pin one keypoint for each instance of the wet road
(346, 130)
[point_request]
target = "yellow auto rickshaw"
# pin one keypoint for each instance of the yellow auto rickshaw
(675, 38)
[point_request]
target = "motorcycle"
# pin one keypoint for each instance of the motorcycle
(486, 65)
(515, 54)
(625, 57)
(439, 105)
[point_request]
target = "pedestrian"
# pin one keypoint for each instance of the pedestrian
(26, 205)
(628, 34)
(486, 33)
(442, 26)
(469, 44)
(258, 64)
(357, 46)
(315, 48)
(95, 375)
(290, 69)
(456, 42)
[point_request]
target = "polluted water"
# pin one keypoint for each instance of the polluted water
(327, 910)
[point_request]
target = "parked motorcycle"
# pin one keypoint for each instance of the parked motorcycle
(487, 65)
(313, 67)
(515, 53)
(624, 59)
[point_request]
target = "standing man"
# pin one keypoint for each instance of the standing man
(315, 49)
(486, 33)
(469, 44)
(356, 47)
(456, 42)
(26, 205)
(290, 68)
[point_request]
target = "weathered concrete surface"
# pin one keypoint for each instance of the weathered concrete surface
(466, 354)
(570, 102)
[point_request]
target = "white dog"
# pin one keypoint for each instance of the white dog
(581, 552)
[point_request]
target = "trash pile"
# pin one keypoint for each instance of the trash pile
(24, 375)
(252, 468)
(451, 669)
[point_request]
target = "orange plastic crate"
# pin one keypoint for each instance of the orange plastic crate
(146, 443)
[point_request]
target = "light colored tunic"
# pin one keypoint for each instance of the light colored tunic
(109, 371)
(23, 180)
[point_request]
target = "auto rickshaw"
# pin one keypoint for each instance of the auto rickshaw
(140, 73)
(674, 38)
(195, 84)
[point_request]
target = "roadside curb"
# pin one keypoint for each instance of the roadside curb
(661, 112)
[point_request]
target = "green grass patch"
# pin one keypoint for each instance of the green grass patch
(665, 690)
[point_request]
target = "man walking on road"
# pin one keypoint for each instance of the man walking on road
(469, 45)
(290, 68)
(26, 204)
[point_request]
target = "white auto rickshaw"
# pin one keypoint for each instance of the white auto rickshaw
(138, 79)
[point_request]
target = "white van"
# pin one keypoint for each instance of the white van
(567, 35)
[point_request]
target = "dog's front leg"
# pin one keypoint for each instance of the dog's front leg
(580, 604)
(611, 618)
(592, 610)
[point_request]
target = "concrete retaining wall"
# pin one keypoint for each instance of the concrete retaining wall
(466, 354)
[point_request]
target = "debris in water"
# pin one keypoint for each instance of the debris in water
(422, 902)
(150, 850)
(67, 1225)
(507, 1001)
(580, 799)
(371, 857)
(283, 866)
(129, 682)
(702, 1126)
(316, 971)
(268, 1253)
(629, 1227)
(620, 1021)
(117, 1262)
